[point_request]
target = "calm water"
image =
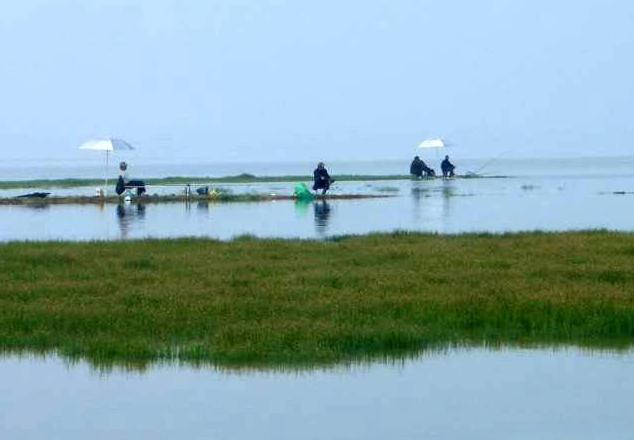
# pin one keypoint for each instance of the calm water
(463, 394)
(545, 195)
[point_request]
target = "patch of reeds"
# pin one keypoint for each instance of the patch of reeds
(296, 302)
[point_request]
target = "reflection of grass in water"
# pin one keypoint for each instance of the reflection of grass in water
(529, 187)
(445, 192)
(271, 303)
(387, 189)
(105, 365)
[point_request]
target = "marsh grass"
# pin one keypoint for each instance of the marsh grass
(387, 189)
(294, 302)
(184, 180)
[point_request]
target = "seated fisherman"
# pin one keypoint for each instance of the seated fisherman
(322, 178)
(447, 167)
(418, 168)
(124, 181)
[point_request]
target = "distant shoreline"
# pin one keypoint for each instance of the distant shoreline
(240, 178)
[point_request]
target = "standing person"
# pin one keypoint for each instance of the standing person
(447, 167)
(123, 178)
(322, 178)
(124, 181)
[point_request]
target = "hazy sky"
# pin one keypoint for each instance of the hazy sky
(226, 80)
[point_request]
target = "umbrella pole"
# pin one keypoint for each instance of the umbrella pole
(105, 189)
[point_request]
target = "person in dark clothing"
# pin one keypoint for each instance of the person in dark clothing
(124, 181)
(418, 168)
(322, 178)
(447, 167)
(120, 187)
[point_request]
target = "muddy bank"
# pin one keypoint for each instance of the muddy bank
(155, 199)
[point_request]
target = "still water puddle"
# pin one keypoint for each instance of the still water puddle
(458, 394)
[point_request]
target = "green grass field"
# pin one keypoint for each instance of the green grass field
(274, 302)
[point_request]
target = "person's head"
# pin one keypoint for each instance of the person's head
(416, 158)
(123, 166)
(447, 157)
(321, 165)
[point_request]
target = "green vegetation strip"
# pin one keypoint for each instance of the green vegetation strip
(274, 303)
(184, 180)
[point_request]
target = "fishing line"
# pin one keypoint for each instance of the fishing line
(489, 162)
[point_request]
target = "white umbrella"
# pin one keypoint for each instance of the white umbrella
(432, 143)
(108, 145)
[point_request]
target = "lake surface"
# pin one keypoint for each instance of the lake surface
(461, 394)
(537, 195)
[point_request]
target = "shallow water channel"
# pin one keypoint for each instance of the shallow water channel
(451, 206)
(458, 394)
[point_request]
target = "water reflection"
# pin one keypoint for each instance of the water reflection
(432, 200)
(105, 363)
(422, 192)
(450, 206)
(322, 217)
(416, 194)
(127, 215)
(38, 206)
(462, 394)
(447, 193)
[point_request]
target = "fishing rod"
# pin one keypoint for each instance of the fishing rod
(487, 163)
